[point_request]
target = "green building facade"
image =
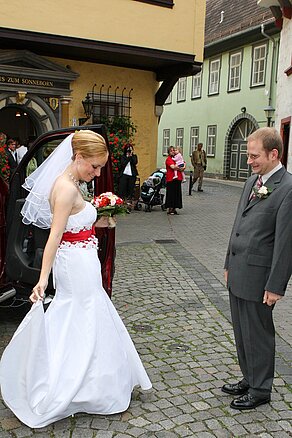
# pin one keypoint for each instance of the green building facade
(224, 103)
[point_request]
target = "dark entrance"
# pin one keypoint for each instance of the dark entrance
(16, 122)
(285, 134)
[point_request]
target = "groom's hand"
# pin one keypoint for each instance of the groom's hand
(226, 276)
(270, 298)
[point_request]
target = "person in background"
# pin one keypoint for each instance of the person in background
(180, 162)
(258, 266)
(32, 165)
(11, 156)
(199, 162)
(21, 150)
(173, 186)
(128, 173)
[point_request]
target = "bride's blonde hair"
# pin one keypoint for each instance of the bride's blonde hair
(88, 144)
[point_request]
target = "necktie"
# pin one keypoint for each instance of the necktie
(259, 182)
(258, 185)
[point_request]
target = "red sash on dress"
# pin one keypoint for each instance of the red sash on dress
(78, 237)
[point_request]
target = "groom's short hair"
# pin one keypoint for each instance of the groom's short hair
(270, 138)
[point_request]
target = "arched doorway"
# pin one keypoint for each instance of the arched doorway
(27, 120)
(236, 167)
(17, 123)
(35, 86)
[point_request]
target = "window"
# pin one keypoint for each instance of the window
(108, 105)
(211, 140)
(194, 138)
(196, 85)
(181, 89)
(166, 141)
(179, 138)
(169, 99)
(214, 76)
(258, 65)
(234, 71)
(164, 3)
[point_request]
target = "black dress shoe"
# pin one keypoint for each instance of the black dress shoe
(248, 401)
(239, 388)
(200, 190)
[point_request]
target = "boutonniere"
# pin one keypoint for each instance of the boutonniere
(263, 192)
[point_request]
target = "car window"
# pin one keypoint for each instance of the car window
(41, 154)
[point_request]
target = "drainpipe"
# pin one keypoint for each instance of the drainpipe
(272, 63)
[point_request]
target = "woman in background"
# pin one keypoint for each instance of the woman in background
(128, 173)
(173, 185)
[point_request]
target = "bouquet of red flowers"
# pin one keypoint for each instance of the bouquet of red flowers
(108, 204)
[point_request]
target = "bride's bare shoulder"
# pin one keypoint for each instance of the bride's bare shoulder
(64, 187)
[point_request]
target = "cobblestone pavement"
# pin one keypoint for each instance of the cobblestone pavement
(169, 290)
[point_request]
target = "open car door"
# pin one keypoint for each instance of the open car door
(25, 243)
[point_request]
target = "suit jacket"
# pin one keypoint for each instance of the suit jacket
(259, 255)
(196, 160)
(11, 161)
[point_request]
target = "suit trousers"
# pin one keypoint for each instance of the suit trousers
(198, 174)
(254, 334)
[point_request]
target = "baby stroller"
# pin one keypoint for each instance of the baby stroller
(153, 191)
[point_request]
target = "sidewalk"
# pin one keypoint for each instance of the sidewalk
(169, 290)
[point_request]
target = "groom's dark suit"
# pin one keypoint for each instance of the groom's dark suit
(259, 259)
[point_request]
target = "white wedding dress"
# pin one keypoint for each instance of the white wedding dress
(78, 355)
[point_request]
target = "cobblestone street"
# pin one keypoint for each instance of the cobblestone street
(169, 291)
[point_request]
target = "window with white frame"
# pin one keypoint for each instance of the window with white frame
(259, 65)
(166, 141)
(169, 99)
(194, 138)
(211, 140)
(179, 141)
(214, 76)
(196, 85)
(235, 60)
(181, 89)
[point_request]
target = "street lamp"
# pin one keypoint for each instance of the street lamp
(269, 111)
(87, 105)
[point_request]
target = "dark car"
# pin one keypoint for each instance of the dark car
(21, 246)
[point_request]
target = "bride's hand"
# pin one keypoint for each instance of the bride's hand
(38, 292)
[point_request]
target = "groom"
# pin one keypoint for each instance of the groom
(258, 266)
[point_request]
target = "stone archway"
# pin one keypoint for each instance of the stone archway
(37, 85)
(39, 113)
(235, 166)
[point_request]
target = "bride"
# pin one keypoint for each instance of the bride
(78, 356)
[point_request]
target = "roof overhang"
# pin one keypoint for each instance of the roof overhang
(164, 63)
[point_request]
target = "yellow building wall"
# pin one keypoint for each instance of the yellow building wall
(144, 87)
(179, 29)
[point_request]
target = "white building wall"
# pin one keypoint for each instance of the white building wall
(284, 86)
